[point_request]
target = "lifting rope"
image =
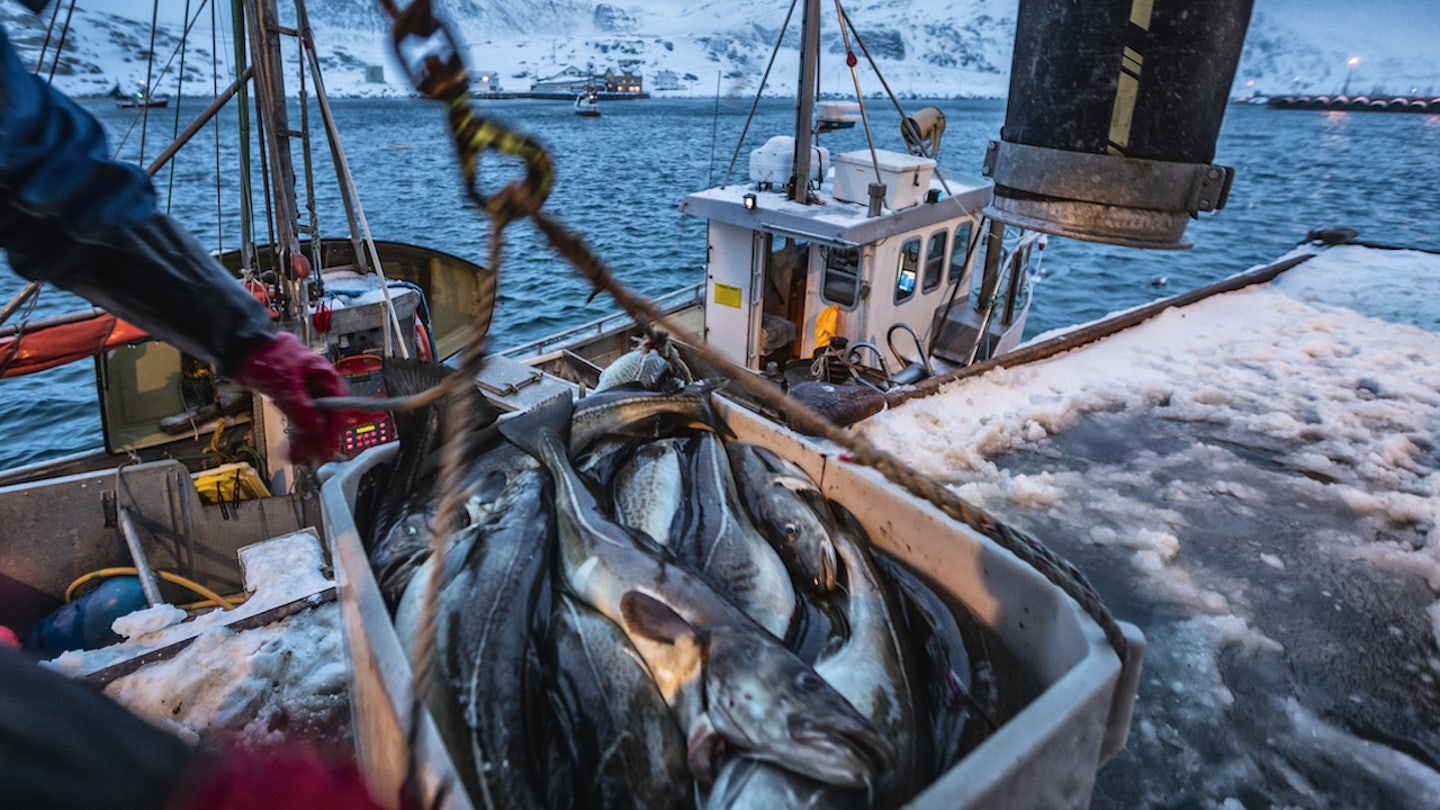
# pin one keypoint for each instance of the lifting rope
(440, 74)
(430, 54)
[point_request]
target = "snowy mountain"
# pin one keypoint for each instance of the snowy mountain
(925, 48)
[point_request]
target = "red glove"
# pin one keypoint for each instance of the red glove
(293, 376)
(294, 778)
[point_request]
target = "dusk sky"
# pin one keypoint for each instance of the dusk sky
(1410, 26)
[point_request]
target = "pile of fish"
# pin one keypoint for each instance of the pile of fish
(638, 610)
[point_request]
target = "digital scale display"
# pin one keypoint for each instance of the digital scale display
(364, 377)
(365, 436)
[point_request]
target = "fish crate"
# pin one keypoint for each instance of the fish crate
(1045, 755)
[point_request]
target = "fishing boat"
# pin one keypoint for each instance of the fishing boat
(883, 245)
(871, 269)
(841, 279)
(587, 104)
(142, 98)
(190, 469)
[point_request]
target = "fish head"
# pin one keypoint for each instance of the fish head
(811, 551)
(768, 704)
(807, 533)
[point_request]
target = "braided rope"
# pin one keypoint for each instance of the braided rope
(1028, 549)
(441, 75)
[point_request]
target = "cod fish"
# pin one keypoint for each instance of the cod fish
(636, 412)
(945, 661)
(708, 659)
(399, 527)
(622, 740)
(873, 670)
(777, 495)
(643, 366)
(724, 546)
(487, 693)
(649, 490)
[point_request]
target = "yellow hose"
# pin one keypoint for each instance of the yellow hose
(210, 596)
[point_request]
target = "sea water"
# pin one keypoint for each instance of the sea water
(619, 180)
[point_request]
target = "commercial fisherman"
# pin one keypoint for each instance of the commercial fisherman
(71, 217)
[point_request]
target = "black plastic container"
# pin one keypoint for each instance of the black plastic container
(1112, 118)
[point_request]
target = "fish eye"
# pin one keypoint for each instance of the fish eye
(791, 531)
(808, 682)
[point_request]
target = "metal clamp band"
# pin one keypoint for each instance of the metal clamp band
(1154, 185)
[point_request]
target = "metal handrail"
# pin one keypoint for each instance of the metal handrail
(666, 303)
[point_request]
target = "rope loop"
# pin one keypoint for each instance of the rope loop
(474, 134)
(427, 50)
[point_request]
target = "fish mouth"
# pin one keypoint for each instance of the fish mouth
(828, 566)
(838, 750)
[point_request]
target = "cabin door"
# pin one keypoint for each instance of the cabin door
(734, 292)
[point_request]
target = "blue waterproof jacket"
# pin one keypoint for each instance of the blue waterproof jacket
(72, 217)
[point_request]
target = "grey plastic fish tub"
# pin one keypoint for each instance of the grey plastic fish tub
(1045, 756)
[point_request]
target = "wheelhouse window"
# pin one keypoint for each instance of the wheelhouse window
(841, 284)
(934, 261)
(961, 252)
(907, 270)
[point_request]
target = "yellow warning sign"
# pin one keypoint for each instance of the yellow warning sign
(728, 296)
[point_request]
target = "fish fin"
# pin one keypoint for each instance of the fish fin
(796, 483)
(526, 430)
(653, 619)
(711, 414)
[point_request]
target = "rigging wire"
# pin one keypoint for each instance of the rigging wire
(440, 74)
(149, 78)
(179, 98)
(215, 92)
(890, 94)
(764, 79)
(45, 45)
(60, 46)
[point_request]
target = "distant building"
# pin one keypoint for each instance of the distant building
(623, 82)
(572, 81)
(667, 80)
(485, 81)
(375, 74)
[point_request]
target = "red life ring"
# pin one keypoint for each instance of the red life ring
(422, 343)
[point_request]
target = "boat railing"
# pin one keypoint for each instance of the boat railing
(667, 303)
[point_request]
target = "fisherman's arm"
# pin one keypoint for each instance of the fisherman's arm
(72, 217)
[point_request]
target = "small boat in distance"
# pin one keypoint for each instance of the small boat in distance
(141, 98)
(588, 104)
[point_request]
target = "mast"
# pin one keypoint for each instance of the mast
(264, 24)
(799, 186)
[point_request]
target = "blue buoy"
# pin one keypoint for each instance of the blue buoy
(84, 624)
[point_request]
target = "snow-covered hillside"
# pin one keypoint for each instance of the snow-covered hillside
(925, 48)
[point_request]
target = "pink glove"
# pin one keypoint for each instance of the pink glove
(292, 376)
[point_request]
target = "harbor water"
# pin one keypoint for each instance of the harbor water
(620, 179)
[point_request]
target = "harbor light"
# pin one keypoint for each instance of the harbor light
(1352, 62)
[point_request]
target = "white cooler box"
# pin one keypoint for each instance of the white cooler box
(906, 177)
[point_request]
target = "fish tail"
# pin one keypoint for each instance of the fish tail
(529, 430)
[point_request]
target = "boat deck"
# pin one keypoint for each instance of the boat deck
(1252, 480)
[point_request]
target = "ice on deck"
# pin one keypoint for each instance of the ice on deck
(1251, 479)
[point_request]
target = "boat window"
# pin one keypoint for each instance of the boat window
(842, 276)
(907, 269)
(934, 261)
(961, 252)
